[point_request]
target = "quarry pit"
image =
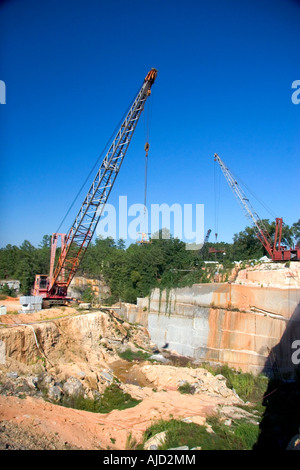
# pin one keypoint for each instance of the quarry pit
(246, 325)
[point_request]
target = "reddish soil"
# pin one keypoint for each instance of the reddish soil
(68, 428)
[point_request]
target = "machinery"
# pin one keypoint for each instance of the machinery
(53, 287)
(205, 241)
(276, 251)
(207, 236)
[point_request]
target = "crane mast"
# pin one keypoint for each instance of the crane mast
(83, 228)
(274, 248)
(260, 229)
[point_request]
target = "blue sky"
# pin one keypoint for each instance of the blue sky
(225, 72)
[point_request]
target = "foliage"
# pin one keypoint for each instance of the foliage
(113, 398)
(88, 295)
(242, 435)
(247, 385)
(7, 291)
(186, 388)
(130, 355)
(134, 271)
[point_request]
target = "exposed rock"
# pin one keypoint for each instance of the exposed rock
(32, 381)
(294, 443)
(270, 274)
(179, 448)
(55, 393)
(107, 376)
(12, 375)
(155, 441)
(160, 358)
(73, 387)
(84, 306)
(229, 413)
(76, 362)
(81, 374)
(171, 377)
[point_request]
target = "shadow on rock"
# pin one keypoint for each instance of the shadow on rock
(281, 418)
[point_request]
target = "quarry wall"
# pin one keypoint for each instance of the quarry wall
(251, 328)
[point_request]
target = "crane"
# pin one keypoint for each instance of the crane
(201, 251)
(276, 251)
(207, 236)
(53, 288)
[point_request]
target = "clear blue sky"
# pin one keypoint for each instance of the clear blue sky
(225, 71)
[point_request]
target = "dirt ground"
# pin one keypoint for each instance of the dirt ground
(32, 423)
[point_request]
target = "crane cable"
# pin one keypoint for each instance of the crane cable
(262, 203)
(96, 163)
(147, 120)
(217, 181)
(217, 197)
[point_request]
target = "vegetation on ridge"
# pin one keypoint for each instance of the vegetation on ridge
(132, 272)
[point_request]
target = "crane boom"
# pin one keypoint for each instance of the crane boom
(274, 248)
(82, 230)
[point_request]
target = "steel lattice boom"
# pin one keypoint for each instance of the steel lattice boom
(83, 228)
(274, 248)
(250, 213)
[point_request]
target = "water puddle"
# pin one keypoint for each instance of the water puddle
(128, 374)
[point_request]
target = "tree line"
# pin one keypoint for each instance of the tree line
(133, 271)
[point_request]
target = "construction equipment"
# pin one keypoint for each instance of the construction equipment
(201, 251)
(276, 251)
(207, 236)
(215, 250)
(144, 239)
(53, 287)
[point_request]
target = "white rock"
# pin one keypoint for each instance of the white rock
(157, 440)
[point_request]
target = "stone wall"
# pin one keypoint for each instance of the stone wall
(243, 326)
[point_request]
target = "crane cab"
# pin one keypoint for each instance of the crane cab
(41, 285)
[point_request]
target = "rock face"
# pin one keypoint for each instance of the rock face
(79, 284)
(73, 387)
(248, 327)
(271, 275)
(165, 377)
(77, 346)
(154, 442)
(61, 359)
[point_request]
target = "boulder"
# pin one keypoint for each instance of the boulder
(54, 393)
(12, 375)
(155, 441)
(159, 358)
(73, 387)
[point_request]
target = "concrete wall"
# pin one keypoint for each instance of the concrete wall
(240, 325)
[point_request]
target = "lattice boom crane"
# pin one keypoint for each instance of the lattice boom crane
(274, 248)
(74, 244)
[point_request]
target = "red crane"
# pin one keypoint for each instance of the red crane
(53, 287)
(276, 251)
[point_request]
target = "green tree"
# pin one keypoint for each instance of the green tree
(295, 229)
